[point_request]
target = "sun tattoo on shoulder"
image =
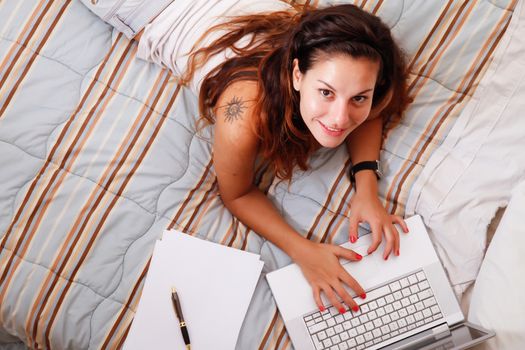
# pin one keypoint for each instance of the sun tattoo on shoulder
(234, 109)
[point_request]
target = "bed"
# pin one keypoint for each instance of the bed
(100, 153)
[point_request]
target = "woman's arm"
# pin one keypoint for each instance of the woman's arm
(364, 144)
(234, 153)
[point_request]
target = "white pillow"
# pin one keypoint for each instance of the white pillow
(497, 298)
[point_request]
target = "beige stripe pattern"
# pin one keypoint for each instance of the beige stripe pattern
(122, 160)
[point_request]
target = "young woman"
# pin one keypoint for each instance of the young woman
(278, 86)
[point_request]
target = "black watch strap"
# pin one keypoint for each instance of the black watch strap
(366, 165)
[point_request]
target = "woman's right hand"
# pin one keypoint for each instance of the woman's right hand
(320, 265)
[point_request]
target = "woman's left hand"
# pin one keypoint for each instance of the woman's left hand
(366, 207)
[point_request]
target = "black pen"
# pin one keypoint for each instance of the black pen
(182, 323)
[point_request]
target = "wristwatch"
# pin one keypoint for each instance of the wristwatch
(374, 165)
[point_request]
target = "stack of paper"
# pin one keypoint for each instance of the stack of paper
(215, 284)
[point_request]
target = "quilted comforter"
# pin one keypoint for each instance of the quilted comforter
(100, 152)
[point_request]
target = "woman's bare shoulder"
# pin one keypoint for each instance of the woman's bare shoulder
(236, 143)
(237, 102)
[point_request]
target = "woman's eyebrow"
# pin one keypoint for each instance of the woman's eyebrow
(329, 86)
(334, 89)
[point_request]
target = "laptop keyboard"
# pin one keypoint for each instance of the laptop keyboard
(389, 310)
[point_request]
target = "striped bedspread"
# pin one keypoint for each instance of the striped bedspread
(99, 153)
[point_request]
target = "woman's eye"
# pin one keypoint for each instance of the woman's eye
(360, 99)
(325, 92)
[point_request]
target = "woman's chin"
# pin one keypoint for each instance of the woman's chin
(327, 140)
(330, 143)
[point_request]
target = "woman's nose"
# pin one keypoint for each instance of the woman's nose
(345, 114)
(341, 114)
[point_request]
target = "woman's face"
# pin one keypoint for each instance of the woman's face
(335, 95)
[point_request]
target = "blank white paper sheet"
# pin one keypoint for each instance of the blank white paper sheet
(215, 284)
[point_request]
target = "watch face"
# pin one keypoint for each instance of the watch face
(379, 170)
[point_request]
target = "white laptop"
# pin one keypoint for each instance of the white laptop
(409, 302)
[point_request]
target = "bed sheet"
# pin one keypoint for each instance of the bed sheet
(496, 301)
(100, 153)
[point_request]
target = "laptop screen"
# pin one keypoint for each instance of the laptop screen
(462, 336)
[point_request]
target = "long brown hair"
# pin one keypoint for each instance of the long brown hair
(271, 42)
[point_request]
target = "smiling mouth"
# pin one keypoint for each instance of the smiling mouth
(332, 130)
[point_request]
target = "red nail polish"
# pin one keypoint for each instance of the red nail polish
(352, 239)
(386, 257)
(397, 252)
(363, 296)
(355, 308)
(321, 308)
(342, 310)
(358, 257)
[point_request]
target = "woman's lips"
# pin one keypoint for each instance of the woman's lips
(331, 131)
